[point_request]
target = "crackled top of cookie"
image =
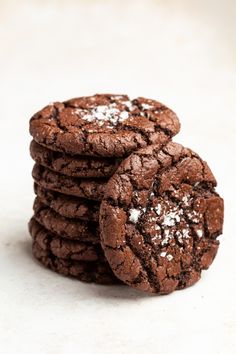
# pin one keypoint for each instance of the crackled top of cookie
(103, 125)
(160, 219)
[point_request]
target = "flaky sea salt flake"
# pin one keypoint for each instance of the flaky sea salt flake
(158, 209)
(124, 115)
(199, 233)
(169, 257)
(163, 254)
(134, 215)
(146, 106)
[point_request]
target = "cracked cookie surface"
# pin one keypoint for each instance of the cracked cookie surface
(69, 206)
(74, 166)
(73, 229)
(64, 248)
(160, 219)
(79, 187)
(96, 272)
(103, 125)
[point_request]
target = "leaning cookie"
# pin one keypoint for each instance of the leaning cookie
(103, 125)
(160, 219)
(74, 166)
(73, 229)
(79, 187)
(95, 272)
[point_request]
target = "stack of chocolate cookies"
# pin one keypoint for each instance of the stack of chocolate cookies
(116, 200)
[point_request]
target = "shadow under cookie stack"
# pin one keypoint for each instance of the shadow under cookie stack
(116, 200)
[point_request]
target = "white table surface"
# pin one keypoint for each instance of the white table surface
(180, 52)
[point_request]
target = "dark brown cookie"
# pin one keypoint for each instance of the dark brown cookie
(64, 227)
(160, 219)
(97, 272)
(103, 125)
(74, 166)
(63, 248)
(84, 188)
(68, 206)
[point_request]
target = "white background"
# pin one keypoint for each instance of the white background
(182, 53)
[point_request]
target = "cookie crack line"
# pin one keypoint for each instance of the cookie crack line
(55, 114)
(96, 271)
(152, 280)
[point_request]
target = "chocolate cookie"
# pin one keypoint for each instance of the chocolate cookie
(85, 188)
(68, 206)
(160, 219)
(68, 228)
(74, 166)
(63, 248)
(96, 272)
(103, 125)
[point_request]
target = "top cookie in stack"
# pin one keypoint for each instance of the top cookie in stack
(103, 125)
(77, 147)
